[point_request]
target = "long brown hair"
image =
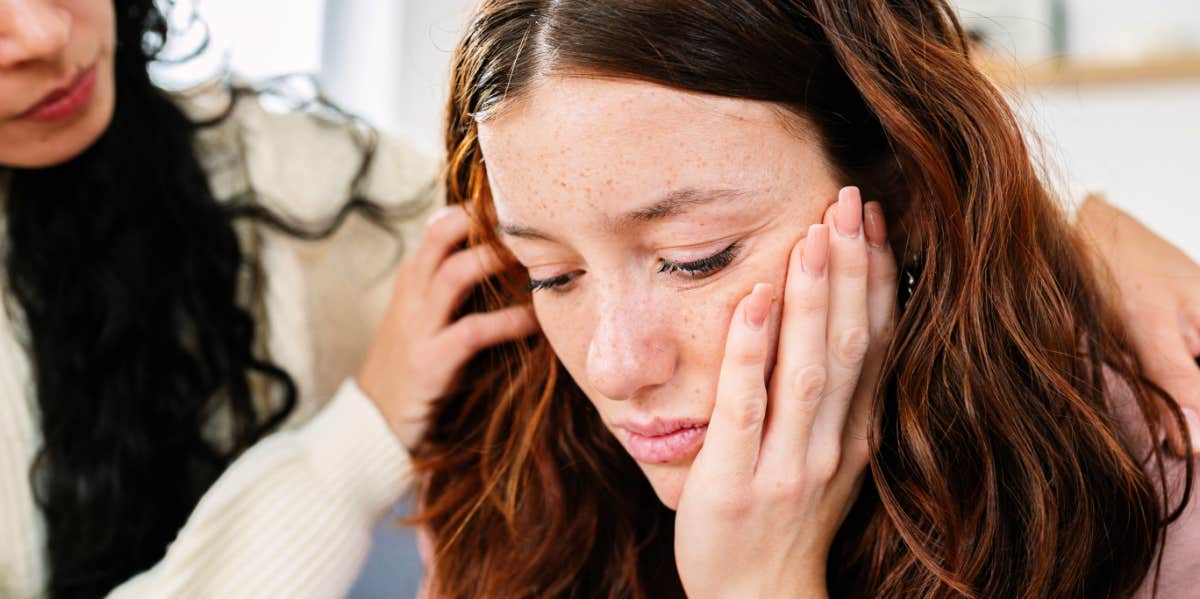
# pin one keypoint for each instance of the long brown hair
(999, 467)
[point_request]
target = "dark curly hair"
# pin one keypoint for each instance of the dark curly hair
(127, 273)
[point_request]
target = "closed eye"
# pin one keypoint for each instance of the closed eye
(704, 267)
(552, 283)
(696, 269)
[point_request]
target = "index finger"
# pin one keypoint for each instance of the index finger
(734, 437)
(444, 232)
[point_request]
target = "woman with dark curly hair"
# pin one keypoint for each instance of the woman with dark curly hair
(182, 296)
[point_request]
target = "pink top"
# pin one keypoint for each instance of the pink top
(1180, 577)
(1181, 554)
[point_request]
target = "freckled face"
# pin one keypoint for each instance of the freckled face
(644, 214)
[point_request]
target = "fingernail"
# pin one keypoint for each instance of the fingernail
(875, 227)
(440, 214)
(816, 250)
(849, 212)
(758, 306)
(1193, 423)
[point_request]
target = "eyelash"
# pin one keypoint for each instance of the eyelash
(697, 269)
(552, 283)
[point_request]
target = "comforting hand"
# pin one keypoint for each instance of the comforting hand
(420, 346)
(1159, 296)
(782, 462)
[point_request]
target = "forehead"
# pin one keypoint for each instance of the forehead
(609, 144)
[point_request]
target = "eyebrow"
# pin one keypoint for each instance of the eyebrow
(680, 201)
(674, 203)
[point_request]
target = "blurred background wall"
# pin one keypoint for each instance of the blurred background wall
(1110, 89)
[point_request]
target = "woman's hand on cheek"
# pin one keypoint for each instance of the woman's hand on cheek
(1159, 295)
(420, 346)
(782, 460)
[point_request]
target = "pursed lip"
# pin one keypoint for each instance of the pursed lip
(661, 441)
(65, 100)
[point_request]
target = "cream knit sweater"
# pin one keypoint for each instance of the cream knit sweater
(293, 516)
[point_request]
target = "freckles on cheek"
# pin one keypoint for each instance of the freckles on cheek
(704, 323)
(566, 331)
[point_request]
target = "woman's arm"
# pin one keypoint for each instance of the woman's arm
(1158, 291)
(293, 516)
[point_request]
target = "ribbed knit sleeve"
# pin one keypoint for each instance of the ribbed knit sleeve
(293, 516)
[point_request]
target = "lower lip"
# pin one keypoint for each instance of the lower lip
(67, 105)
(664, 449)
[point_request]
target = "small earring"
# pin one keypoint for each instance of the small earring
(908, 281)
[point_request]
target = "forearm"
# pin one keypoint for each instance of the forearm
(292, 517)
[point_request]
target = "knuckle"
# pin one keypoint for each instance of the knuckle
(830, 214)
(884, 271)
(734, 504)
(471, 332)
(824, 464)
(447, 278)
(749, 410)
(806, 303)
(850, 346)
(787, 488)
(855, 265)
(809, 382)
(455, 273)
(748, 355)
(853, 269)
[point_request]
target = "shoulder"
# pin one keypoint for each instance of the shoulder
(1181, 551)
(303, 164)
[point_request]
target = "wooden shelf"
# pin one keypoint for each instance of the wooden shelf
(1065, 72)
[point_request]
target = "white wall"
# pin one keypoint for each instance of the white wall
(1126, 29)
(1139, 144)
(255, 38)
(1095, 30)
(1019, 28)
(387, 60)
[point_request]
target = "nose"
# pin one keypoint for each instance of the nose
(32, 30)
(630, 350)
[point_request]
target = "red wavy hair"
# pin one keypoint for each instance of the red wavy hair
(999, 467)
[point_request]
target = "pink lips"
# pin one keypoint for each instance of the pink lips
(662, 442)
(64, 102)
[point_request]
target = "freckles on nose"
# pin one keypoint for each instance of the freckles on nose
(628, 353)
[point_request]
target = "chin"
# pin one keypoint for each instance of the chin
(63, 142)
(667, 481)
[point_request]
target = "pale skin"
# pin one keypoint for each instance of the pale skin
(767, 352)
(610, 192)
